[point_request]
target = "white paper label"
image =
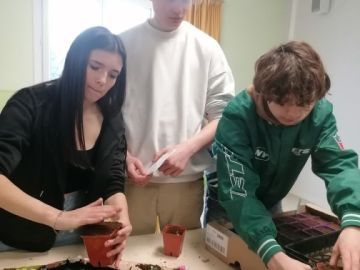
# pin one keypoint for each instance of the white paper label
(153, 167)
(216, 240)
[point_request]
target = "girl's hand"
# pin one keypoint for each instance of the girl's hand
(94, 212)
(118, 243)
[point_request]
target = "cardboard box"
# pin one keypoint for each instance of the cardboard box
(230, 248)
(224, 243)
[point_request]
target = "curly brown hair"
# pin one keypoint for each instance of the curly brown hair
(292, 70)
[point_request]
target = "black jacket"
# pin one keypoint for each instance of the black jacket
(30, 158)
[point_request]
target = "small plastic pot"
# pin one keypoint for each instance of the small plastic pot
(94, 238)
(173, 238)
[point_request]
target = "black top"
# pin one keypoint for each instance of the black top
(29, 157)
(80, 174)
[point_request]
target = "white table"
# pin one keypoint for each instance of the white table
(144, 249)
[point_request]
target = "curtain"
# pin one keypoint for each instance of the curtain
(206, 15)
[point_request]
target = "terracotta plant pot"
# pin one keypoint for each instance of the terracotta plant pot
(173, 237)
(326, 266)
(94, 237)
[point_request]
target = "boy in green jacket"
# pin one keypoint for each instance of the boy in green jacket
(263, 140)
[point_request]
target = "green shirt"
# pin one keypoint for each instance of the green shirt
(258, 163)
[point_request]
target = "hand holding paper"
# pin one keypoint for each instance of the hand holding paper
(153, 167)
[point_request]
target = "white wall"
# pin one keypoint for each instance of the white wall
(336, 36)
(16, 33)
(249, 28)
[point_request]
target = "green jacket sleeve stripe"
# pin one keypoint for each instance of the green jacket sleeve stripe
(350, 219)
(267, 249)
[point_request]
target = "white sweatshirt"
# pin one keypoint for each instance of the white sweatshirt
(176, 81)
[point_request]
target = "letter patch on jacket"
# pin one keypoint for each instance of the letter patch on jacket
(236, 173)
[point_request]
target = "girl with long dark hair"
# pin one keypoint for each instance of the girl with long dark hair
(66, 136)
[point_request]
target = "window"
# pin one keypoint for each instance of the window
(63, 20)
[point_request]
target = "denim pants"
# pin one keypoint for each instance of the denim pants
(71, 201)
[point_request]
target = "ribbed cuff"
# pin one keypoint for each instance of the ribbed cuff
(268, 248)
(350, 219)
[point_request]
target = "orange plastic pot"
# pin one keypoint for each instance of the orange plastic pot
(94, 238)
(173, 237)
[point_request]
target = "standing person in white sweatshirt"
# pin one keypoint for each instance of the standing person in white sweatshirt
(178, 83)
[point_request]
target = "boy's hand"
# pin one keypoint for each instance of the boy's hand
(348, 247)
(136, 171)
(175, 163)
(280, 261)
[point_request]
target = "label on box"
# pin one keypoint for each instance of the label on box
(216, 240)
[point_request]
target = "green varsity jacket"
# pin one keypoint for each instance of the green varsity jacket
(258, 163)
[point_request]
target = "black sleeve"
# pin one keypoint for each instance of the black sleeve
(16, 122)
(117, 170)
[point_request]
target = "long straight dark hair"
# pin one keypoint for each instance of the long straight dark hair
(71, 86)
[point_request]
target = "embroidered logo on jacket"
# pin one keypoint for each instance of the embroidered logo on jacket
(261, 154)
(339, 141)
(300, 152)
